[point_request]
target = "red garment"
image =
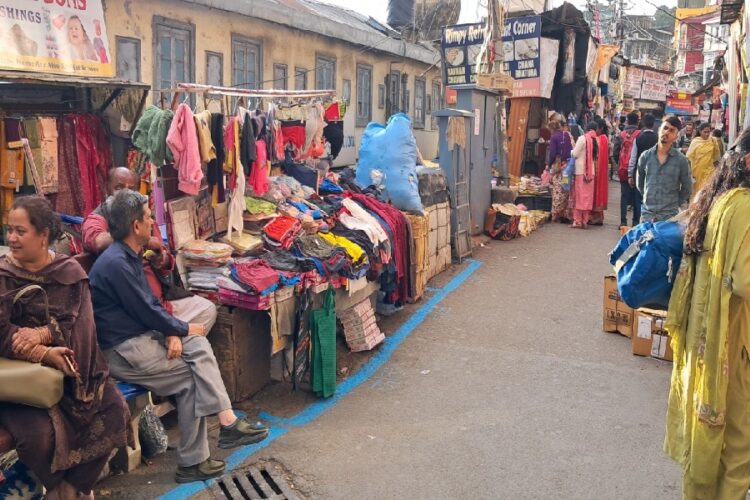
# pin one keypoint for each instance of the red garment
(256, 274)
(69, 197)
(282, 230)
(294, 134)
(601, 177)
(400, 244)
(95, 224)
(332, 113)
(259, 172)
(94, 159)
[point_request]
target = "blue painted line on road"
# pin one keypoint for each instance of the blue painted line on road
(316, 409)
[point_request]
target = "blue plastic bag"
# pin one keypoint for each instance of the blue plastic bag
(392, 150)
(568, 173)
(646, 260)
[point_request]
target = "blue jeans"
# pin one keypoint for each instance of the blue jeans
(629, 196)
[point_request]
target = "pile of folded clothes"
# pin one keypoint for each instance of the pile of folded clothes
(360, 327)
(280, 232)
(206, 262)
(250, 284)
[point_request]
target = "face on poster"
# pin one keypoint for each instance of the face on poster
(521, 52)
(461, 46)
(45, 36)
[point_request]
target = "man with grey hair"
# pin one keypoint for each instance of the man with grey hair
(158, 265)
(145, 345)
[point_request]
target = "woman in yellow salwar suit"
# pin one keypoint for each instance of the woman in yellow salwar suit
(704, 154)
(708, 416)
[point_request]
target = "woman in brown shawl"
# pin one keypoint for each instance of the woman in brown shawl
(68, 445)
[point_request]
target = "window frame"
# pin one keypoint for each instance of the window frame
(381, 96)
(437, 100)
(393, 93)
(160, 23)
(137, 43)
(300, 72)
(321, 59)
(420, 112)
(285, 68)
(220, 57)
(364, 74)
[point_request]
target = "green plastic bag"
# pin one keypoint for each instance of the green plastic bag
(323, 333)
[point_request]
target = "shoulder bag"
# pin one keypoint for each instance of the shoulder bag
(26, 383)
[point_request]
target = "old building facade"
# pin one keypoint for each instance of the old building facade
(292, 44)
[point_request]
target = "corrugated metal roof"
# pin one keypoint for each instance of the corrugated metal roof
(328, 20)
(730, 10)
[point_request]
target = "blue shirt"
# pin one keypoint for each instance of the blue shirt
(664, 187)
(124, 305)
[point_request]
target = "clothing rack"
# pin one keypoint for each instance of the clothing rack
(237, 92)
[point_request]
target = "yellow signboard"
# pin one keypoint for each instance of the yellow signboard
(55, 36)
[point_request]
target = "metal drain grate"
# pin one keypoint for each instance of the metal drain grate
(253, 483)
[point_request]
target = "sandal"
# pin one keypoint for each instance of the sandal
(576, 226)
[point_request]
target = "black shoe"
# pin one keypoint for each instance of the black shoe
(242, 433)
(203, 471)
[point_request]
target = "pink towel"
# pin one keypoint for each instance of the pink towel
(182, 139)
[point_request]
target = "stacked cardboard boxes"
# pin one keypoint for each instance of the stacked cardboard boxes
(644, 326)
(618, 317)
(650, 338)
(360, 327)
(438, 239)
(420, 230)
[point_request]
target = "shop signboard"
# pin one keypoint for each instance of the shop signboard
(633, 82)
(53, 36)
(461, 45)
(680, 103)
(654, 86)
(521, 54)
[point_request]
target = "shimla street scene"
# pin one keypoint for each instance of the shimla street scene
(318, 249)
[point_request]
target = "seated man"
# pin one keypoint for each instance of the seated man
(146, 345)
(159, 263)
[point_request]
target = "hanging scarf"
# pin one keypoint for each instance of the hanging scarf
(698, 328)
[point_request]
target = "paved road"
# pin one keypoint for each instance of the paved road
(509, 389)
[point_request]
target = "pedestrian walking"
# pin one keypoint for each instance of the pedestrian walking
(560, 147)
(708, 416)
(623, 148)
(663, 175)
(685, 138)
(585, 152)
(719, 136)
(704, 154)
(601, 175)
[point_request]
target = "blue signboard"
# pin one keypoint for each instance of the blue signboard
(521, 47)
(461, 45)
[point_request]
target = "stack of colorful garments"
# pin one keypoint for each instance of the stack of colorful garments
(280, 232)
(360, 327)
(250, 285)
(206, 262)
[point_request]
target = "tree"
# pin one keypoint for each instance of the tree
(664, 20)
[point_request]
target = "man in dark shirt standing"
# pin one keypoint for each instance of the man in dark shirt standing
(145, 345)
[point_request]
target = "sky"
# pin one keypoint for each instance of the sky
(471, 10)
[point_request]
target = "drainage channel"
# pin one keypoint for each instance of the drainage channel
(253, 483)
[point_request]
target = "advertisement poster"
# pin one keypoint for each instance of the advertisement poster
(461, 45)
(680, 103)
(654, 85)
(633, 82)
(549, 56)
(521, 49)
(44, 36)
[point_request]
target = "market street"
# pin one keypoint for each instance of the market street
(509, 389)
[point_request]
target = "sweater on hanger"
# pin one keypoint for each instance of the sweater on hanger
(182, 139)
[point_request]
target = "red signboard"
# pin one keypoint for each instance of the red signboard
(680, 103)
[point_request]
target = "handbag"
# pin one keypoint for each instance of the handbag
(26, 383)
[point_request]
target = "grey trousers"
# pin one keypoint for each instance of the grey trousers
(195, 309)
(193, 379)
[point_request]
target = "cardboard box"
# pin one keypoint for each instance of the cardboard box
(618, 317)
(649, 336)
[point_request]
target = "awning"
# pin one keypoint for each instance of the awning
(713, 82)
(21, 77)
(730, 10)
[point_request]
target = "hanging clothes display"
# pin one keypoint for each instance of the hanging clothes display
(323, 347)
(182, 139)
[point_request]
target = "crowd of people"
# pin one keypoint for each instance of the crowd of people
(660, 163)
